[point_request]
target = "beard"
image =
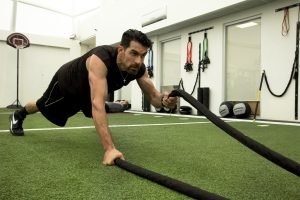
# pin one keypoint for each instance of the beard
(133, 69)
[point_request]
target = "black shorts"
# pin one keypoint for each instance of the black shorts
(56, 106)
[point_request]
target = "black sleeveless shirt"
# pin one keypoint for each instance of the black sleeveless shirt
(73, 76)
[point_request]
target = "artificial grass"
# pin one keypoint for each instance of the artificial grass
(66, 164)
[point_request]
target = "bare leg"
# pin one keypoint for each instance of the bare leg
(31, 107)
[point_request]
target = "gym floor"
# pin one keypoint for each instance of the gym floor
(50, 162)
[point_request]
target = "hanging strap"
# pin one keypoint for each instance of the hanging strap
(205, 60)
(189, 64)
(285, 27)
(150, 63)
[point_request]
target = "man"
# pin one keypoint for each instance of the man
(83, 84)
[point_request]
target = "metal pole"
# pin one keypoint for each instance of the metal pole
(17, 78)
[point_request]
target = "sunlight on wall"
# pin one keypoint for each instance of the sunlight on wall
(42, 22)
(47, 17)
(5, 13)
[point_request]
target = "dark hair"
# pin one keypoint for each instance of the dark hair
(135, 35)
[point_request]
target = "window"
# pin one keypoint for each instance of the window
(243, 52)
(171, 56)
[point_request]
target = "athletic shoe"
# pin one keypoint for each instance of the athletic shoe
(15, 127)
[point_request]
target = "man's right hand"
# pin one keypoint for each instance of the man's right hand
(110, 155)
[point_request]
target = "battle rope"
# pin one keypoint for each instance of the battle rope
(286, 88)
(166, 181)
(150, 63)
(280, 160)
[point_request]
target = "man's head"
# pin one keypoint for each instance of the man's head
(132, 50)
(135, 35)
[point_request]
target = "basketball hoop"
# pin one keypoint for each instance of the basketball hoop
(17, 41)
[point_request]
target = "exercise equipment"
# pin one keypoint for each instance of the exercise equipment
(166, 110)
(17, 41)
(278, 159)
(189, 63)
(258, 94)
(295, 70)
(150, 63)
(202, 93)
(203, 97)
(226, 109)
(168, 182)
(205, 59)
(185, 110)
(241, 110)
(194, 192)
(146, 106)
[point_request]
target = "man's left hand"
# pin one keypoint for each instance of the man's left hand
(169, 102)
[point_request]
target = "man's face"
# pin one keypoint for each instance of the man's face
(132, 57)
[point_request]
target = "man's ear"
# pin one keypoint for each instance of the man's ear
(120, 48)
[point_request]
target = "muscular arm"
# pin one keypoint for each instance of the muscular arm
(153, 95)
(98, 86)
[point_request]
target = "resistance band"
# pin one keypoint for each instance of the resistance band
(205, 60)
(189, 63)
(168, 182)
(278, 159)
(150, 63)
(180, 85)
(285, 27)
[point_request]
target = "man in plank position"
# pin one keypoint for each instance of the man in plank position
(83, 84)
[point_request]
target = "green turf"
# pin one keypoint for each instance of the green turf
(66, 164)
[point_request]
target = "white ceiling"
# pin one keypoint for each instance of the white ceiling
(66, 7)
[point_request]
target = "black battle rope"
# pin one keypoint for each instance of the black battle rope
(180, 84)
(150, 63)
(287, 86)
(280, 160)
(189, 63)
(166, 181)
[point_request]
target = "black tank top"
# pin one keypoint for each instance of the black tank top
(73, 76)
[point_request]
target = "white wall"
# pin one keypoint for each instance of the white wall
(276, 58)
(277, 51)
(117, 16)
(278, 54)
(37, 65)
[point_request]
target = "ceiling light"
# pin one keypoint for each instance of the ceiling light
(246, 25)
